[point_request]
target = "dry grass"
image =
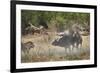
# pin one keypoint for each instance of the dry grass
(45, 51)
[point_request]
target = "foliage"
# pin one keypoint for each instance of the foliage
(53, 20)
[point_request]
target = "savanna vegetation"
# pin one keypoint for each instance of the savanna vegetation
(52, 22)
(58, 21)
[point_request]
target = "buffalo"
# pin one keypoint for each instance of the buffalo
(69, 40)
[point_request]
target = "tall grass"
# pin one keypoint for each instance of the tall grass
(45, 51)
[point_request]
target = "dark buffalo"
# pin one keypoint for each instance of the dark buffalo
(69, 40)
